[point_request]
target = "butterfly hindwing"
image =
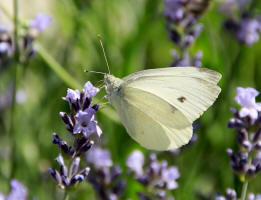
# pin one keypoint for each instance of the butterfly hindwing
(151, 121)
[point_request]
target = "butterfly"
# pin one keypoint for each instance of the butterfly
(158, 106)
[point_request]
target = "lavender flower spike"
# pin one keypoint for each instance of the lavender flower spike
(18, 191)
(135, 162)
(40, 22)
(99, 157)
(246, 98)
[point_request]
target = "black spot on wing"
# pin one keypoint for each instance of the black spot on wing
(182, 99)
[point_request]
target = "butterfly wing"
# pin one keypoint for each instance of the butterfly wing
(196, 72)
(191, 90)
(151, 121)
(158, 107)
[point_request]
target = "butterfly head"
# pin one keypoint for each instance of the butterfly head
(113, 84)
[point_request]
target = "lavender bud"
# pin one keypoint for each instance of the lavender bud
(85, 172)
(55, 174)
(87, 103)
(75, 166)
(119, 187)
(77, 178)
(85, 147)
(60, 161)
(56, 139)
(143, 196)
(251, 196)
(71, 151)
(197, 59)
(258, 168)
(144, 180)
(82, 95)
(229, 152)
(234, 111)
(235, 123)
(161, 194)
(174, 36)
(251, 170)
(80, 142)
(188, 40)
(257, 135)
(65, 181)
(66, 119)
(69, 128)
(257, 146)
(75, 106)
(116, 172)
(219, 197)
(64, 147)
(63, 170)
(231, 194)
(96, 107)
(247, 145)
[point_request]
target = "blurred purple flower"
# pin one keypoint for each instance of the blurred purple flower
(18, 191)
(89, 90)
(5, 47)
(72, 95)
(249, 31)
(21, 96)
(99, 157)
(85, 123)
(40, 22)
(174, 10)
(169, 176)
(135, 162)
(246, 98)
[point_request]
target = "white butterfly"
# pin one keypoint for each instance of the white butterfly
(158, 106)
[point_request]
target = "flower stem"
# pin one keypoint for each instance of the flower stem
(11, 133)
(244, 190)
(66, 196)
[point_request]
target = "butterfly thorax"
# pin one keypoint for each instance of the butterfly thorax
(113, 86)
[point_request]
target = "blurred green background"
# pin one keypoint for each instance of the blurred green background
(135, 38)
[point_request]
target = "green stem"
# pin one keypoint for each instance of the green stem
(57, 68)
(244, 190)
(15, 77)
(66, 196)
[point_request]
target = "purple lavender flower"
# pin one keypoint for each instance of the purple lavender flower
(174, 10)
(89, 90)
(156, 175)
(5, 48)
(99, 157)
(72, 95)
(85, 123)
(80, 122)
(249, 31)
(135, 162)
(169, 176)
(246, 98)
(18, 191)
(246, 162)
(105, 176)
(182, 16)
(241, 20)
(40, 22)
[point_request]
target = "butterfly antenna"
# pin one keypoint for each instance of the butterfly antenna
(94, 72)
(100, 39)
